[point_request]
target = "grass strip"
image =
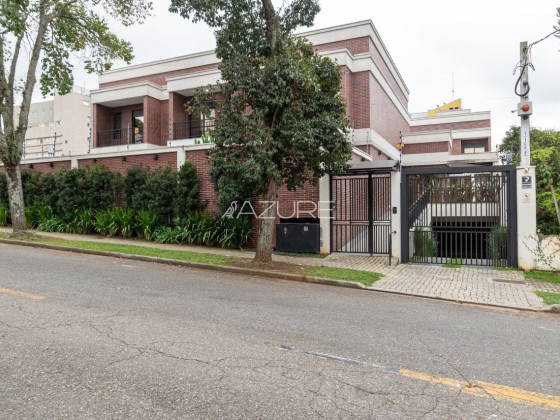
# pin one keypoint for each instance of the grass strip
(548, 297)
(145, 251)
(367, 278)
(544, 276)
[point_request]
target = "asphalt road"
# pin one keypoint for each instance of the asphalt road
(95, 337)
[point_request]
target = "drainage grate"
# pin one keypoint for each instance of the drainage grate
(508, 281)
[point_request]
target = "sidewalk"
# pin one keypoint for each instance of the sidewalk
(479, 285)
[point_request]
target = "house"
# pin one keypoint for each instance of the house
(58, 127)
(139, 117)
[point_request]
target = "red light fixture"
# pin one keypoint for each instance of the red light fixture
(525, 107)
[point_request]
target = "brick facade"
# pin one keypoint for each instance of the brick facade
(45, 167)
(117, 165)
(434, 147)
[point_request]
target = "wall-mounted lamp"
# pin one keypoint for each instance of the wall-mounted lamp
(51, 164)
(155, 156)
(123, 159)
(207, 152)
(30, 166)
(94, 161)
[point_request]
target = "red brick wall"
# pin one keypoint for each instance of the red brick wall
(452, 126)
(102, 121)
(159, 78)
(386, 119)
(346, 91)
(115, 163)
(360, 100)
(176, 111)
(355, 46)
(45, 167)
(433, 147)
(152, 120)
(206, 191)
(165, 133)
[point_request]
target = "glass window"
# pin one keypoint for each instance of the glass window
(474, 148)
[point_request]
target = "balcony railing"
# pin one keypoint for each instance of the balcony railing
(120, 137)
(192, 129)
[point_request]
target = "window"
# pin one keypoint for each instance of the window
(470, 148)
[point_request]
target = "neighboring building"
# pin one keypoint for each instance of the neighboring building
(59, 127)
(449, 136)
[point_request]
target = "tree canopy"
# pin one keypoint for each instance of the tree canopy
(283, 121)
(41, 35)
(545, 156)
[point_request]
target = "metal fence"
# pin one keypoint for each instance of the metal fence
(460, 216)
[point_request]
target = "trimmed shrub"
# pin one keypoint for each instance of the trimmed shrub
(69, 186)
(185, 201)
(154, 191)
(100, 188)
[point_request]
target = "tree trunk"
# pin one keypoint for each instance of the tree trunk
(266, 229)
(15, 191)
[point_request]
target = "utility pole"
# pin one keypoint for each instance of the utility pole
(525, 107)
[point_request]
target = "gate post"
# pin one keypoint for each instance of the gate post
(526, 195)
(404, 234)
(396, 204)
(325, 214)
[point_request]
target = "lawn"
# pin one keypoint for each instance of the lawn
(548, 297)
(366, 278)
(545, 276)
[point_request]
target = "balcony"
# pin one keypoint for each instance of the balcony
(120, 137)
(192, 129)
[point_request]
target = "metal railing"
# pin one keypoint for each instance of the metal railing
(192, 129)
(119, 137)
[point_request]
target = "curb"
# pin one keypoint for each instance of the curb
(261, 273)
(202, 266)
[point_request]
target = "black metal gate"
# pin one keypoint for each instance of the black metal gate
(361, 217)
(460, 216)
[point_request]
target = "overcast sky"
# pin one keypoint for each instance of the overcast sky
(475, 43)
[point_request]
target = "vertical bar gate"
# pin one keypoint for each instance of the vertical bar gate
(463, 216)
(361, 217)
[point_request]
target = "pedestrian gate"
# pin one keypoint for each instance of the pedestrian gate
(462, 216)
(361, 216)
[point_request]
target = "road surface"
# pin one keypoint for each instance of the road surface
(96, 337)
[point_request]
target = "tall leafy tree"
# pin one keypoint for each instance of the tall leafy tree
(545, 155)
(39, 36)
(283, 121)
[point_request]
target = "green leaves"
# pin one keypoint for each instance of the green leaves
(545, 156)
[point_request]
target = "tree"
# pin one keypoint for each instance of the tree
(282, 121)
(545, 155)
(557, 27)
(49, 31)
